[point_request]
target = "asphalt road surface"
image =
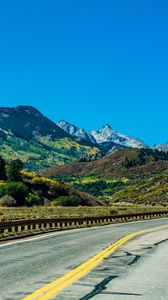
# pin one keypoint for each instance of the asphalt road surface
(136, 270)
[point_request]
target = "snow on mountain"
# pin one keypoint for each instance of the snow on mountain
(76, 131)
(107, 134)
(106, 137)
(162, 147)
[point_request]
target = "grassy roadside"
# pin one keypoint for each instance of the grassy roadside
(49, 211)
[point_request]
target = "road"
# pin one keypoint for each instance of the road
(136, 270)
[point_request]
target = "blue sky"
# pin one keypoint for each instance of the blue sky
(90, 62)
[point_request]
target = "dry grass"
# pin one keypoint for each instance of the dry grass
(49, 211)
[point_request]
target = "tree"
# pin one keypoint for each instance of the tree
(2, 169)
(18, 190)
(13, 171)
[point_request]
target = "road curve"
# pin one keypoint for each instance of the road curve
(28, 264)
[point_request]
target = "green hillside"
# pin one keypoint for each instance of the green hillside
(22, 188)
(138, 176)
(41, 155)
(28, 135)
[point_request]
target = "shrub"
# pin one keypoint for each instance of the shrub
(18, 191)
(7, 201)
(2, 189)
(46, 181)
(33, 199)
(69, 200)
(29, 175)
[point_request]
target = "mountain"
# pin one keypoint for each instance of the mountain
(40, 190)
(28, 123)
(25, 133)
(162, 147)
(76, 131)
(106, 138)
(51, 190)
(107, 135)
(129, 163)
(138, 176)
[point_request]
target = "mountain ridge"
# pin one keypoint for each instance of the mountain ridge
(27, 134)
(30, 120)
(104, 137)
(129, 163)
(162, 147)
(75, 131)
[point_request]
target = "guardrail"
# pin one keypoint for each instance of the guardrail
(20, 228)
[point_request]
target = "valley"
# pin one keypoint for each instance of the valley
(101, 167)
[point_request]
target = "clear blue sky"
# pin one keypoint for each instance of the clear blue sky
(90, 62)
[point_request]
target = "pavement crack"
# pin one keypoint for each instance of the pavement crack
(158, 243)
(129, 253)
(147, 248)
(136, 258)
(122, 294)
(98, 288)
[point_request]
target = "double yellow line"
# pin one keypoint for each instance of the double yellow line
(52, 289)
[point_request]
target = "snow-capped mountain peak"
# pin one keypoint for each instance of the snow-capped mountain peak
(104, 134)
(106, 137)
(107, 126)
(162, 147)
(75, 131)
(107, 134)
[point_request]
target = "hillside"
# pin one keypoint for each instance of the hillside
(30, 136)
(26, 134)
(115, 165)
(55, 191)
(28, 123)
(30, 189)
(138, 176)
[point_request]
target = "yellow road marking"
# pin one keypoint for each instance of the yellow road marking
(52, 289)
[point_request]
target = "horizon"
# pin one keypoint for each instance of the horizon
(89, 63)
